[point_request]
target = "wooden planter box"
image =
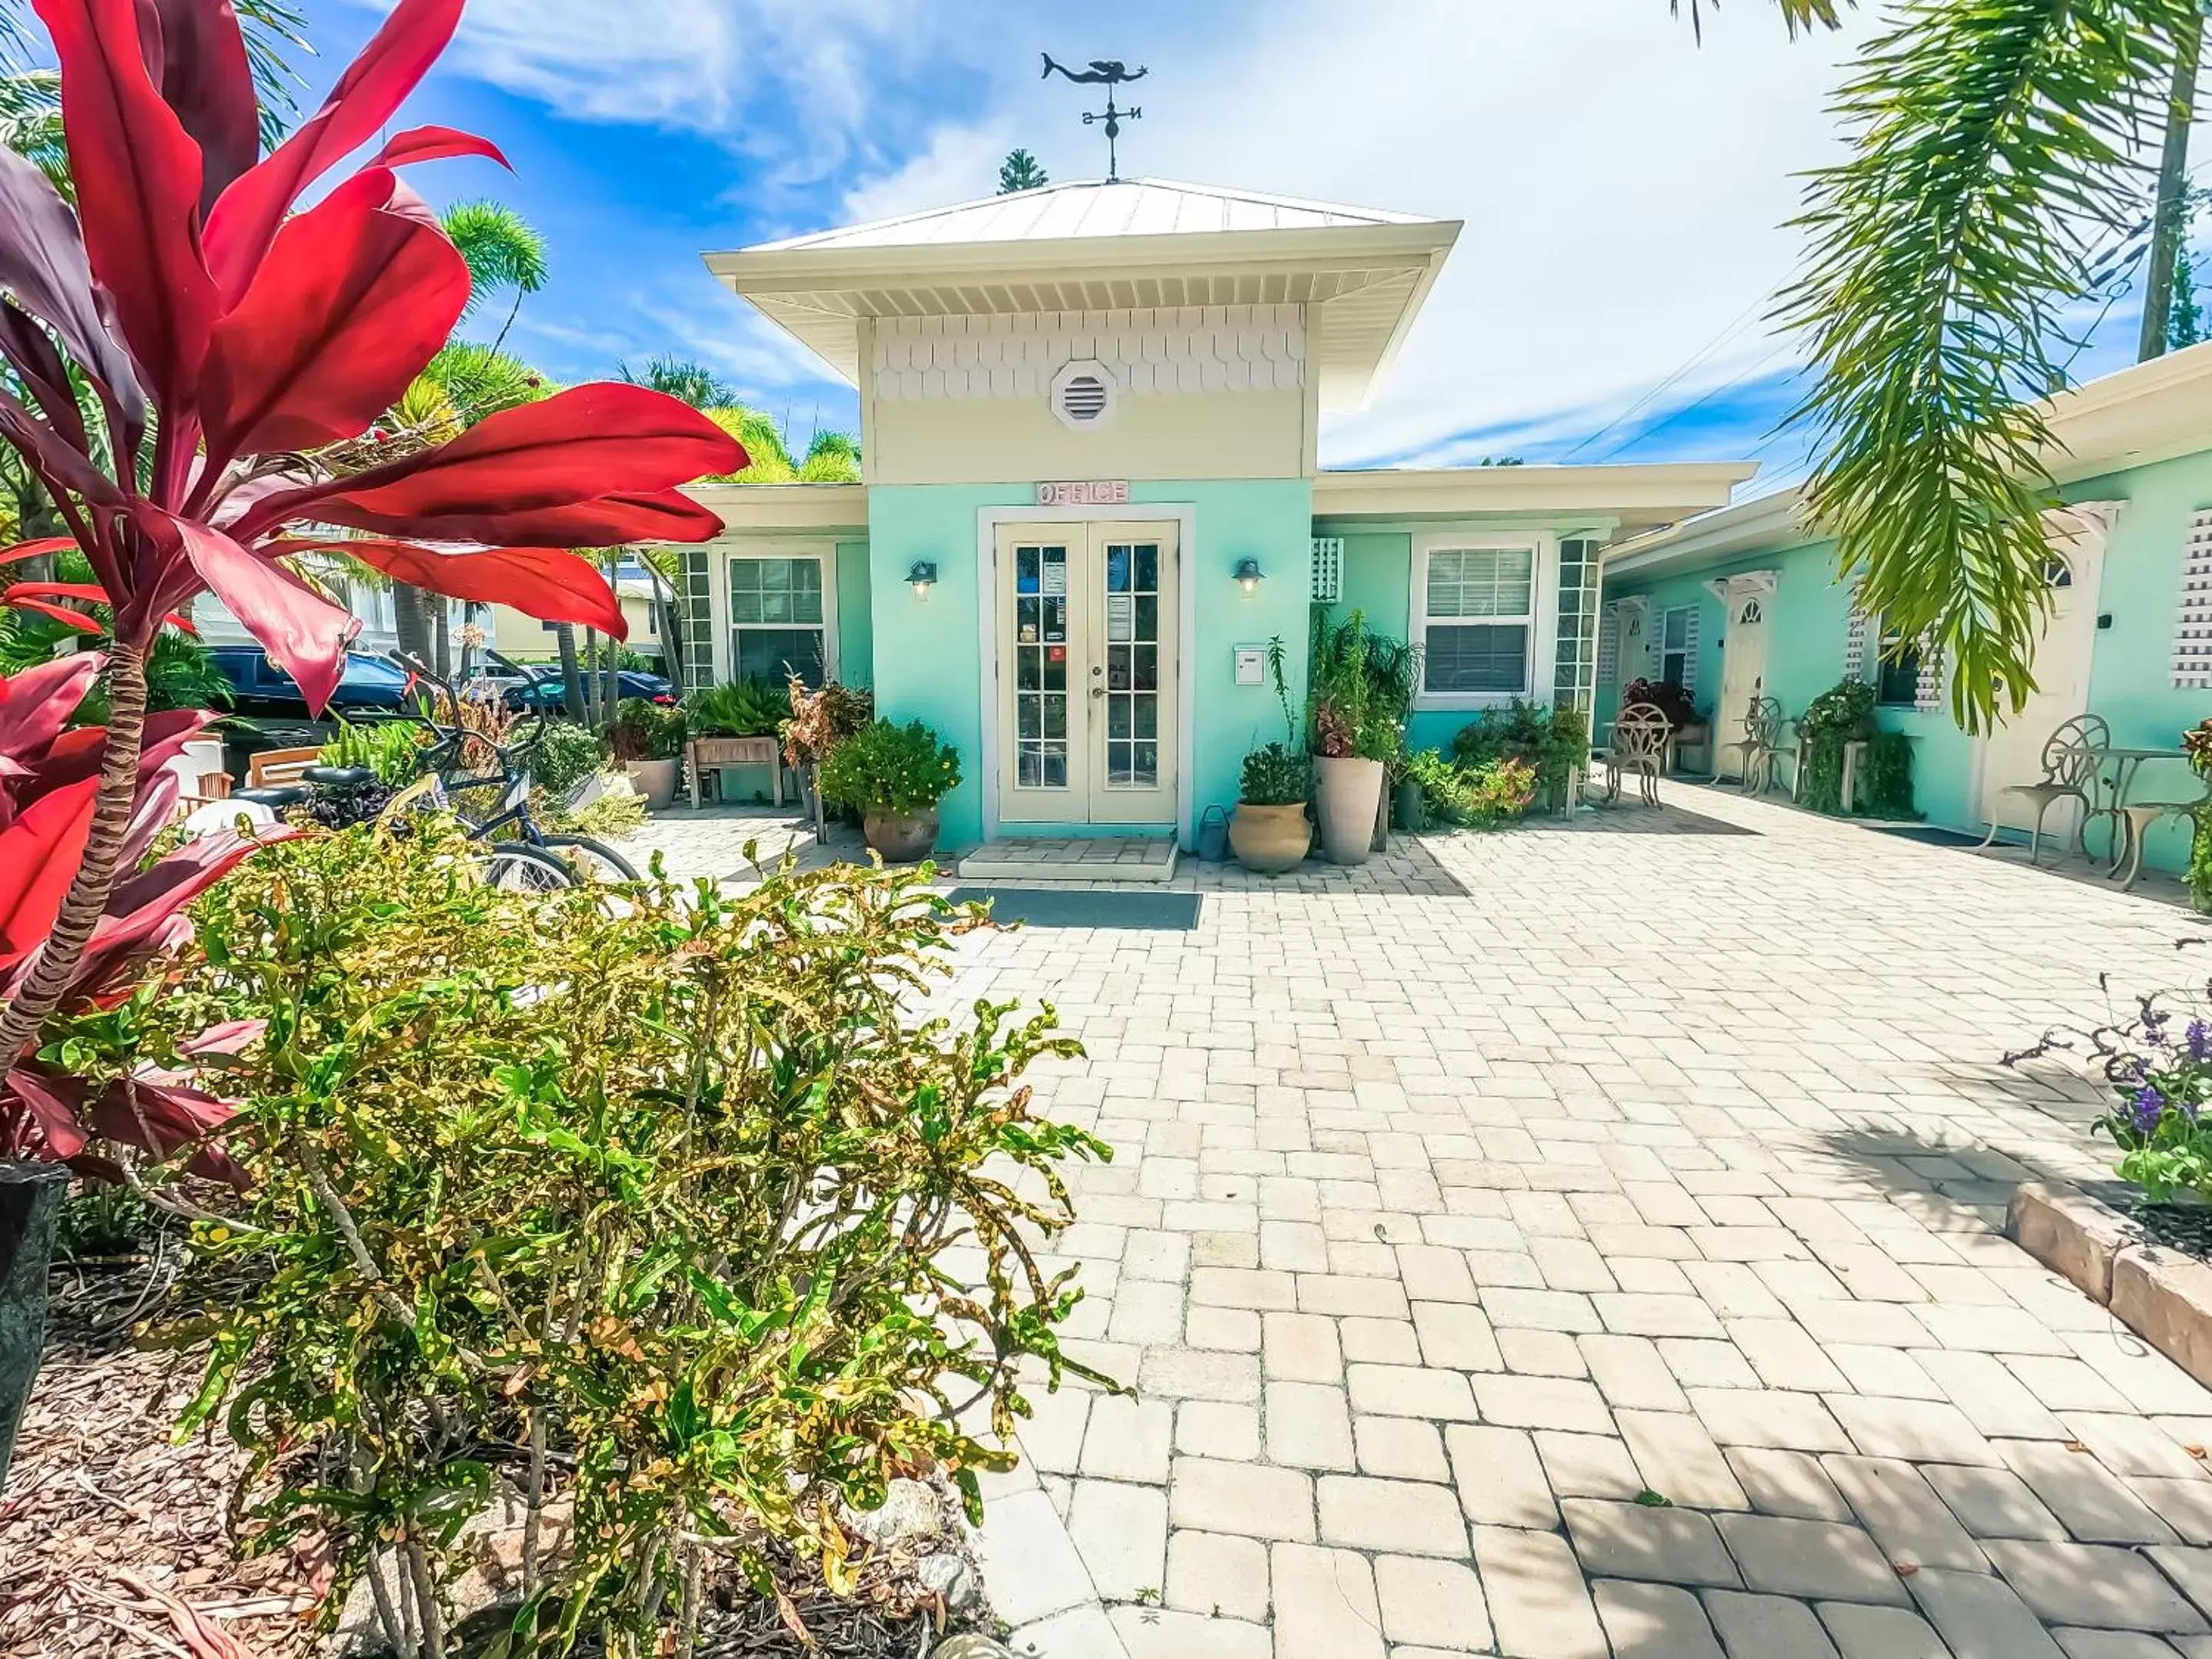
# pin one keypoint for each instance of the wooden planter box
(703, 755)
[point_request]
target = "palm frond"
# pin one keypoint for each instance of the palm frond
(1797, 15)
(1994, 142)
(478, 381)
(31, 124)
(768, 459)
(685, 381)
(504, 252)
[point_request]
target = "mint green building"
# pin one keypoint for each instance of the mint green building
(1090, 417)
(1745, 602)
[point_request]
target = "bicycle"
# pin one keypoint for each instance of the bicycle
(527, 859)
(531, 858)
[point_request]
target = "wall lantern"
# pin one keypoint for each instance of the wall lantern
(923, 576)
(1247, 575)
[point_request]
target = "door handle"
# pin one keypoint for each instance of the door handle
(1097, 691)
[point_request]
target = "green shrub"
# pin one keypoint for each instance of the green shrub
(890, 768)
(391, 749)
(671, 1212)
(747, 708)
(1274, 777)
(567, 753)
(1360, 686)
(646, 731)
(1842, 714)
(1481, 795)
(1553, 743)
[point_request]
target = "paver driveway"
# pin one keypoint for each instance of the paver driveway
(1467, 1206)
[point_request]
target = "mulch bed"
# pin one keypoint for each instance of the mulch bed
(114, 1543)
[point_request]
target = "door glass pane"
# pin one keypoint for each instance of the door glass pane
(1132, 598)
(1040, 712)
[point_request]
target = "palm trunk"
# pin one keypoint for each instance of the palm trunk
(611, 693)
(572, 678)
(56, 961)
(442, 635)
(411, 619)
(2171, 215)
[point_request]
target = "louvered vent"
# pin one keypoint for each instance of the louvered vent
(1327, 569)
(1083, 395)
(2192, 629)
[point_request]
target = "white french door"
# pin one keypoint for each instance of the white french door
(1087, 672)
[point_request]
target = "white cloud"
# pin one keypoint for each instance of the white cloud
(1623, 188)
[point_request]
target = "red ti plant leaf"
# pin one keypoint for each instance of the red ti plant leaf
(545, 582)
(357, 293)
(576, 446)
(208, 80)
(244, 221)
(303, 633)
(60, 613)
(46, 1099)
(38, 854)
(36, 704)
(43, 264)
(137, 178)
(437, 144)
(23, 550)
(660, 515)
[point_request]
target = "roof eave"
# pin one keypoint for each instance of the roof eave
(785, 506)
(1634, 493)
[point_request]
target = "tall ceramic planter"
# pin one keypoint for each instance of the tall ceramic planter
(30, 1198)
(901, 837)
(1351, 795)
(656, 781)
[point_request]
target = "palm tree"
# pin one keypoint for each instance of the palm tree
(1994, 154)
(1020, 170)
(691, 382)
(505, 254)
(832, 458)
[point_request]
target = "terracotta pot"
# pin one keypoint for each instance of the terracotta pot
(1270, 839)
(656, 781)
(902, 837)
(1351, 796)
(30, 1198)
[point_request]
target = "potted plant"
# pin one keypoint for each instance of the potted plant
(1268, 831)
(646, 739)
(736, 724)
(1362, 687)
(894, 776)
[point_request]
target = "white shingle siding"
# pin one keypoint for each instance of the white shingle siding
(1187, 350)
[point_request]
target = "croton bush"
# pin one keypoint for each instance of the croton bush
(668, 1216)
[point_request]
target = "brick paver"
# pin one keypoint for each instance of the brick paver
(1586, 1240)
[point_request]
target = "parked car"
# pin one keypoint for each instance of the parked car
(261, 691)
(545, 691)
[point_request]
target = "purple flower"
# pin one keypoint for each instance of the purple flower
(2154, 1026)
(2149, 1107)
(2200, 1039)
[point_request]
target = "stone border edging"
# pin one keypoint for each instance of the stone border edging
(2161, 1295)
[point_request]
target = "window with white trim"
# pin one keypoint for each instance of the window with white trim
(778, 619)
(1678, 647)
(1474, 616)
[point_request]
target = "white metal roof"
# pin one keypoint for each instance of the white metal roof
(1136, 245)
(1129, 207)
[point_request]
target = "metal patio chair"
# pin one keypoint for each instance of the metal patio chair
(1761, 745)
(1638, 744)
(2072, 759)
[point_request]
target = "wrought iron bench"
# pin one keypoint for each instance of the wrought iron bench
(1763, 745)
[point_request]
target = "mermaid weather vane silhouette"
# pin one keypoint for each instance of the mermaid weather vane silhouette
(1107, 73)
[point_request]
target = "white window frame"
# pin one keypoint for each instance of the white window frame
(726, 627)
(1688, 653)
(1544, 548)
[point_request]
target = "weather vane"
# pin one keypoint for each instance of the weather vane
(1103, 72)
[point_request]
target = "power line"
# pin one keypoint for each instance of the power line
(1710, 347)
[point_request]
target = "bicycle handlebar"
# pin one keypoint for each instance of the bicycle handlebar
(452, 740)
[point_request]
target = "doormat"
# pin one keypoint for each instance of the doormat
(1063, 907)
(1933, 836)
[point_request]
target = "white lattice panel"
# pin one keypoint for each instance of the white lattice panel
(1179, 351)
(2192, 627)
(1856, 631)
(1928, 695)
(1690, 655)
(1608, 644)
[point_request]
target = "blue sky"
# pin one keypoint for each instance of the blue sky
(1624, 189)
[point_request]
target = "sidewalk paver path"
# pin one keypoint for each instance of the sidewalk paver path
(1587, 1241)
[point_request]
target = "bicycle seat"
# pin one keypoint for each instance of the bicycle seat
(339, 777)
(276, 796)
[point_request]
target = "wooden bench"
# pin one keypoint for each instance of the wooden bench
(704, 754)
